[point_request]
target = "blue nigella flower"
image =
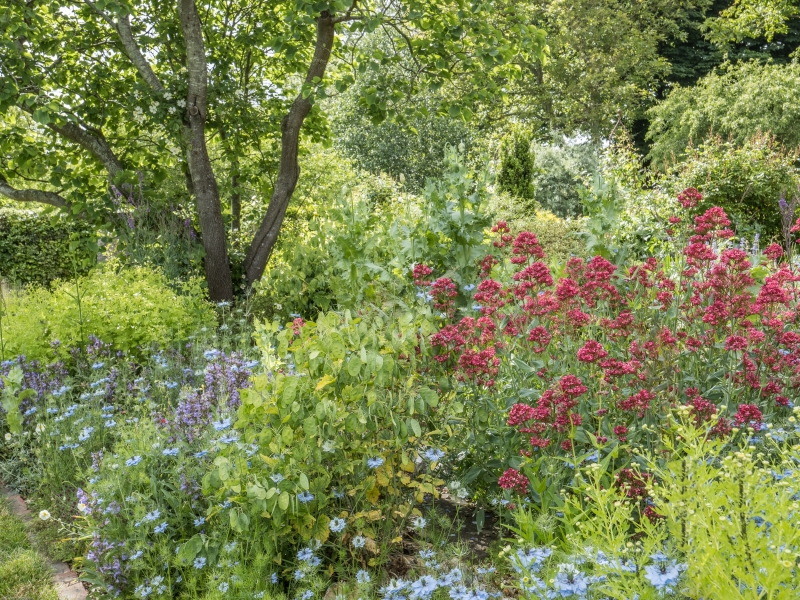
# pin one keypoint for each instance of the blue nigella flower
(211, 354)
(98, 365)
(199, 562)
(359, 541)
(199, 521)
(434, 454)
(85, 434)
(305, 554)
(305, 497)
(337, 524)
(222, 424)
(469, 287)
(136, 555)
(307, 595)
(161, 528)
(374, 463)
(363, 577)
(570, 582)
(170, 452)
(274, 578)
(132, 462)
(662, 575)
(424, 587)
(223, 587)
(277, 478)
(30, 411)
(152, 516)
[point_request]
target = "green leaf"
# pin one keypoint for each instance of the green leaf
(430, 396)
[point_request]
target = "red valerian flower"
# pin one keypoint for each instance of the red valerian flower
(703, 410)
(566, 289)
(443, 291)
(297, 324)
(514, 480)
(640, 402)
(520, 413)
(773, 251)
(526, 245)
(486, 264)
(632, 483)
(572, 386)
(713, 218)
(748, 414)
(591, 351)
(419, 273)
(735, 342)
(540, 337)
(674, 220)
(689, 198)
(621, 432)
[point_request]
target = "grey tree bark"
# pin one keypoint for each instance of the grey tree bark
(218, 272)
(289, 171)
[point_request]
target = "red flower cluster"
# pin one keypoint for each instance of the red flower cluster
(514, 480)
(690, 197)
(419, 274)
(599, 342)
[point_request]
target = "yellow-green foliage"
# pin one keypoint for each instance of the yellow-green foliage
(733, 514)
(130, 308)
(557, 236)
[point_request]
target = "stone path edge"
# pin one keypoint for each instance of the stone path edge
(65, 580)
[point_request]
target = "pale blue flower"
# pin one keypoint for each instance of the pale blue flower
(223, 587)
(362, 577)
(199, 562)
(170, 452)
(152, 516)
(199, 521)
(276, 478)
(98, 365)
(132, 462)
(307, 595)
(359, 541)
(662, 575)
(161, 528)
(274, 578)
(423, 587)
(337, 524)
(136, 555)
(85, 434)
(305, 497)
(570, 582)
(434, 454)
(298, 575)
(374, 463)
(222, 424)
(305, 554)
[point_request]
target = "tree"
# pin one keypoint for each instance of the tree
(602, 67)
(515, 176)
(95, 93)
(734, 101)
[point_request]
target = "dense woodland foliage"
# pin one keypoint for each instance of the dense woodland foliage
(402, 300)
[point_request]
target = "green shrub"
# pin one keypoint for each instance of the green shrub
(130, 308)
(515, 176)
(736, 101)
(35, 249)
(746, 180)
(558, 236)
(559, 172)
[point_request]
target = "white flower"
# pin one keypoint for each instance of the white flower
(182, 103)
(44, 515)
(167, 96)
(8, 437)
(419, 523)
(329, 446)
(40, 428)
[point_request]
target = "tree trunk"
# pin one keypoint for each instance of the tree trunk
(218, 272)
(261, 247)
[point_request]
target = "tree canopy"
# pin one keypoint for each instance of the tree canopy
(100, 93)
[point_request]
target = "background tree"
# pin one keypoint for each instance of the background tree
(99, 93)
(515, 176)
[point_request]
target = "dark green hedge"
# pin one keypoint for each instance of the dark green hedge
(32, 249)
